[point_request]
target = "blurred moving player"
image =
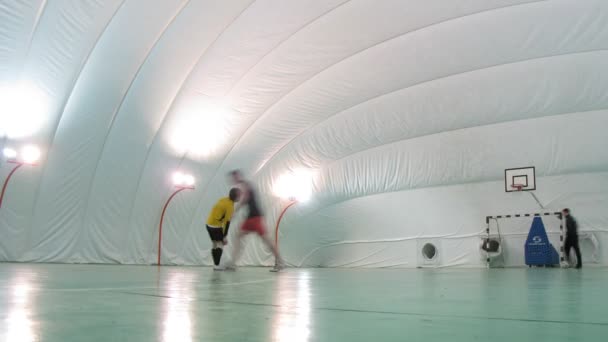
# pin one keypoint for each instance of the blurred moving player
(218, 223)
(254, 223)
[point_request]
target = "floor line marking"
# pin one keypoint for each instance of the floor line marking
(117, 289)
(526, 320)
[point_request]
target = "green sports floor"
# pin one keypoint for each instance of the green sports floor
(40, 302)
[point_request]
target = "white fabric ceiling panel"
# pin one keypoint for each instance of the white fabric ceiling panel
(394, 103)
(554, 145)
(65, 33)
(558, 85)
(88, 115)
(329, 41)
(447, 48)
(18, 22)
(117, 177)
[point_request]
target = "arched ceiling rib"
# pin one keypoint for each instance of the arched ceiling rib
(87, 243)
(65, 102)
(351, 46)
(133, 193)
(182, 84)
(359, 89)
(55, 64)
(117, 197)
(191, 75)
(88, 112)
(402, 165)
(224, 40)
(550, 72)
(18, 24)
(443, 14)
(280, 22)
(510, 48)
(326, 9)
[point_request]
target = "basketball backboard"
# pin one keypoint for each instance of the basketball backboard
(525, 177)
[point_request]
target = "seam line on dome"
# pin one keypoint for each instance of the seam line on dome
(311, 127)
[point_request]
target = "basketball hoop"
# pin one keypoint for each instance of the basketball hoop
(517, 187)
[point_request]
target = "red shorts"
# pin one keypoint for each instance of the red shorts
(254, 225)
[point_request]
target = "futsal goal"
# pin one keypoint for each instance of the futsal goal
(505, 239)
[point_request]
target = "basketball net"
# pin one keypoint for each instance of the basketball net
(519, 187)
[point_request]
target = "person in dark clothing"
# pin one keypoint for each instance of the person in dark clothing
(572, 238)
(254, 223)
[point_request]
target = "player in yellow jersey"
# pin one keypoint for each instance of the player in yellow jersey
(218, 223)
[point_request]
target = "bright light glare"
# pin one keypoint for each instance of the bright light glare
(200, 129)
(23, 110)
(295, 185)
(19, 325)
(177, 314)
(9, 153)
(188, 180)
(178, 178)
(293, 326)
(30, 154)
(182, 179)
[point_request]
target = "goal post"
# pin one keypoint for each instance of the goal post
(506, 236)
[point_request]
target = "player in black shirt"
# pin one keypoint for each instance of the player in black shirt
(572, 238)
(254, 222)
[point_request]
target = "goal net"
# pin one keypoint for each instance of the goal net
(503, 245)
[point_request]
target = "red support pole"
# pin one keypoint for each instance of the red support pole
(162, 217)
(276, 228)
(8, 178)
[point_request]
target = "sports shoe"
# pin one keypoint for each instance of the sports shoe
(219, 268)
(230, 267)
(277, 268)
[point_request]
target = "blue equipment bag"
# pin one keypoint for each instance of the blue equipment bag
(539, 251)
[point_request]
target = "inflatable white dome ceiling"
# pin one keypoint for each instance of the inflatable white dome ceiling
(405, 112)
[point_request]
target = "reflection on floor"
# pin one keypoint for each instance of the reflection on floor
(181, 304)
